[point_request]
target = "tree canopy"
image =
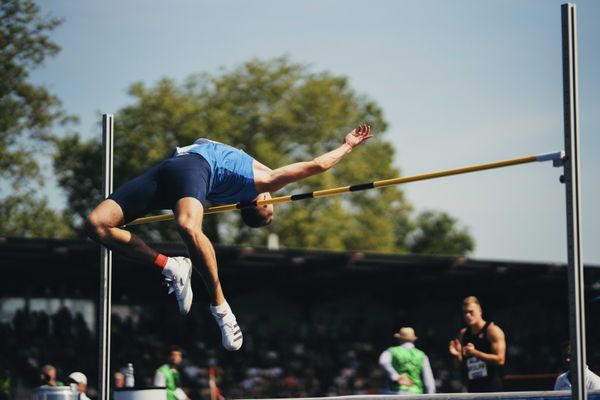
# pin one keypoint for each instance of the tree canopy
(437, 233)
(27, 114)
(279, 112)
(276, 110)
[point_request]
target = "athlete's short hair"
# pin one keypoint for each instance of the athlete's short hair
(252, 217)
(471, 300)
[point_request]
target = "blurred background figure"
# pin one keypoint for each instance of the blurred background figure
(48, 376)
(118, 383)
(118, 380)
(6, 387)
(168, 375)
(80, 380)
(215, 392)
(563, 382)
(480, 349)
(408, 368)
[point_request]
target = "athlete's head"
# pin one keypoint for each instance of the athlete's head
(472, 312)
(258, 216)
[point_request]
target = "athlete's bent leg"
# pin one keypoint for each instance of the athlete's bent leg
(189, 214)
(102, 226)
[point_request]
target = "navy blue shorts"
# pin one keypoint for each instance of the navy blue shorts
(163, 185)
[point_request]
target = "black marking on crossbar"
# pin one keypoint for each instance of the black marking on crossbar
(302, 196)
(363, 186)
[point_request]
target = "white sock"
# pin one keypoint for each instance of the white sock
(220, 309)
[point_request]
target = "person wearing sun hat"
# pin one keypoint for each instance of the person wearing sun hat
(80, 380)
(408, 368)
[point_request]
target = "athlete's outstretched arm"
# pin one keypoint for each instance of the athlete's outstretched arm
(276, 179)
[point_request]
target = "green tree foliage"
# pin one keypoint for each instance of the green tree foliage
(277, 111)
(437, 233)
(27, 113)
(26, 216)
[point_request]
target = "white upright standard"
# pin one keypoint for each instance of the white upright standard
(571, 179)
(105, 266)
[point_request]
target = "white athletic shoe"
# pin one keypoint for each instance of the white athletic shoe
(231, 332)
(178, 277)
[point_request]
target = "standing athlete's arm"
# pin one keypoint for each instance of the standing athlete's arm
(455, 348)
(273, 180)
(498, 347)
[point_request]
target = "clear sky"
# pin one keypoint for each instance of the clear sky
(461, 82)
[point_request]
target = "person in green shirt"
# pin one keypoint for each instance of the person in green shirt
(408, 368)
(168, 375)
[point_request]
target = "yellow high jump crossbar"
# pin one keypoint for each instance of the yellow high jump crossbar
(557, 157)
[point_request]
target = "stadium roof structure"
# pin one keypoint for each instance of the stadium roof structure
(70, 267)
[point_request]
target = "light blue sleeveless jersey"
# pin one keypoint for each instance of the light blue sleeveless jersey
(232, 176)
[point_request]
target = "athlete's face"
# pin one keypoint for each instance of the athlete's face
(472, 313)
(265, 211)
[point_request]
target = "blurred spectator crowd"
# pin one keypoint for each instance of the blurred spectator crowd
(304, 355)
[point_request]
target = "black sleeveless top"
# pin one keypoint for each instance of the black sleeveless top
(479, 375)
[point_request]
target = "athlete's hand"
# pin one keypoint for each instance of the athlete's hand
(455, 348)
(358, 135)
(468, 349)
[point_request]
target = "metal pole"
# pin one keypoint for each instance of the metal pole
(105, 266)
(572, 189)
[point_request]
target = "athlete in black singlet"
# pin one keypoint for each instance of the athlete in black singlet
(480, 350)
